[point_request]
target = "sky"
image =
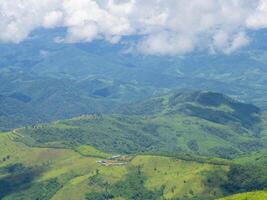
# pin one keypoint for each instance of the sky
(165, 27)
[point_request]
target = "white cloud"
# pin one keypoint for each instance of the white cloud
(19, 17)
(238, 41)
(166, 43)
(53, 19)
(258, 18)
(222, 41)
(165, 26)
(86, 20)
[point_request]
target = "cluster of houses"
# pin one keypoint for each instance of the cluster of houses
(113, 161)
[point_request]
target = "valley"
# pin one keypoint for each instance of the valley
(43, 81)
(92, 109)
(173, 150)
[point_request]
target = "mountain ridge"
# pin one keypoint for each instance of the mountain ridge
(169, 129)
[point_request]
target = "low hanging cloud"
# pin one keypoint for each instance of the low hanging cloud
(164, 26)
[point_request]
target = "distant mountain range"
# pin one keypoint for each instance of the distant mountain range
(188, 127)
(59, 81)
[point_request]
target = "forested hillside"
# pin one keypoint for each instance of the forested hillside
(203, 123)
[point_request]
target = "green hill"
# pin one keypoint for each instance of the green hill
(32, 173)
(202, 123)
(211, 106)
(168, 151)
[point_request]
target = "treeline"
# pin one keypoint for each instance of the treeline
(190, 157)
(246, 178)
(240, 178)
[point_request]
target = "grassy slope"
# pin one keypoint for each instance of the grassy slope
(56, 163)
(71, 172)
(180, 178)
(261, 195)
(90, 151)
(66, 152)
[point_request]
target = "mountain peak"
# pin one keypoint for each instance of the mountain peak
(211, 106)
(214, 107)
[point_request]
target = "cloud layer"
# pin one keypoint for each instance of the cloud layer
(165, 26)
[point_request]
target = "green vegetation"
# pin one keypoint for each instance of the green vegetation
(66, 174)
(132, 187)
(170, 152)
(43, 191)
(17, 178)
(184, 145)
(246, 177)
(239, 178)
(248, 196)
(92, 152)
(173, 127)
(44, 81)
